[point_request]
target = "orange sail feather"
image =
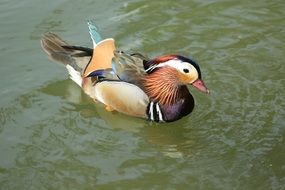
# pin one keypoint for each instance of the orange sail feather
(103, 54)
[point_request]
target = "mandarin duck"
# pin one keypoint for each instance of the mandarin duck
(155, 89)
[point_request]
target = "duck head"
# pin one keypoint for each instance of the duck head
(175, 70)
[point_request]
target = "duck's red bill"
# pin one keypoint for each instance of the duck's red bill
(199, 84)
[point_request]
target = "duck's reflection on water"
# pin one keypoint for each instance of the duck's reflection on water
(170, 138)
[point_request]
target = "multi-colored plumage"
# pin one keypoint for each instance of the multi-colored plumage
(129, 83)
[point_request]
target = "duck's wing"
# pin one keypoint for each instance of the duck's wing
(103, 51)
(129, 67)
(120, 88)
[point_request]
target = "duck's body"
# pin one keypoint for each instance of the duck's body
(132, 84)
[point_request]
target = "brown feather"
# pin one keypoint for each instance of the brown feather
(52, 45)
(162, 86)
(60, 51)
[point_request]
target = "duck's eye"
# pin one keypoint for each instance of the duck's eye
(186, 70)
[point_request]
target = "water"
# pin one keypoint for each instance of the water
(52, 136)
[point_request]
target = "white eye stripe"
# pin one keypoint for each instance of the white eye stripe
(172, 63)
(177, 64)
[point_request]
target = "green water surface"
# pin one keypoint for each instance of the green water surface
(53, 136)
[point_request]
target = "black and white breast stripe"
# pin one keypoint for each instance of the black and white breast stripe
(154, 112)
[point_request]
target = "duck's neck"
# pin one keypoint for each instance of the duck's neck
(174, 99)
(162, 88)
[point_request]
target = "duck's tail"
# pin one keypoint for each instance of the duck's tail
(74, 58)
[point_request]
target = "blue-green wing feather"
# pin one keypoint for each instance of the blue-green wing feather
(93, 31)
